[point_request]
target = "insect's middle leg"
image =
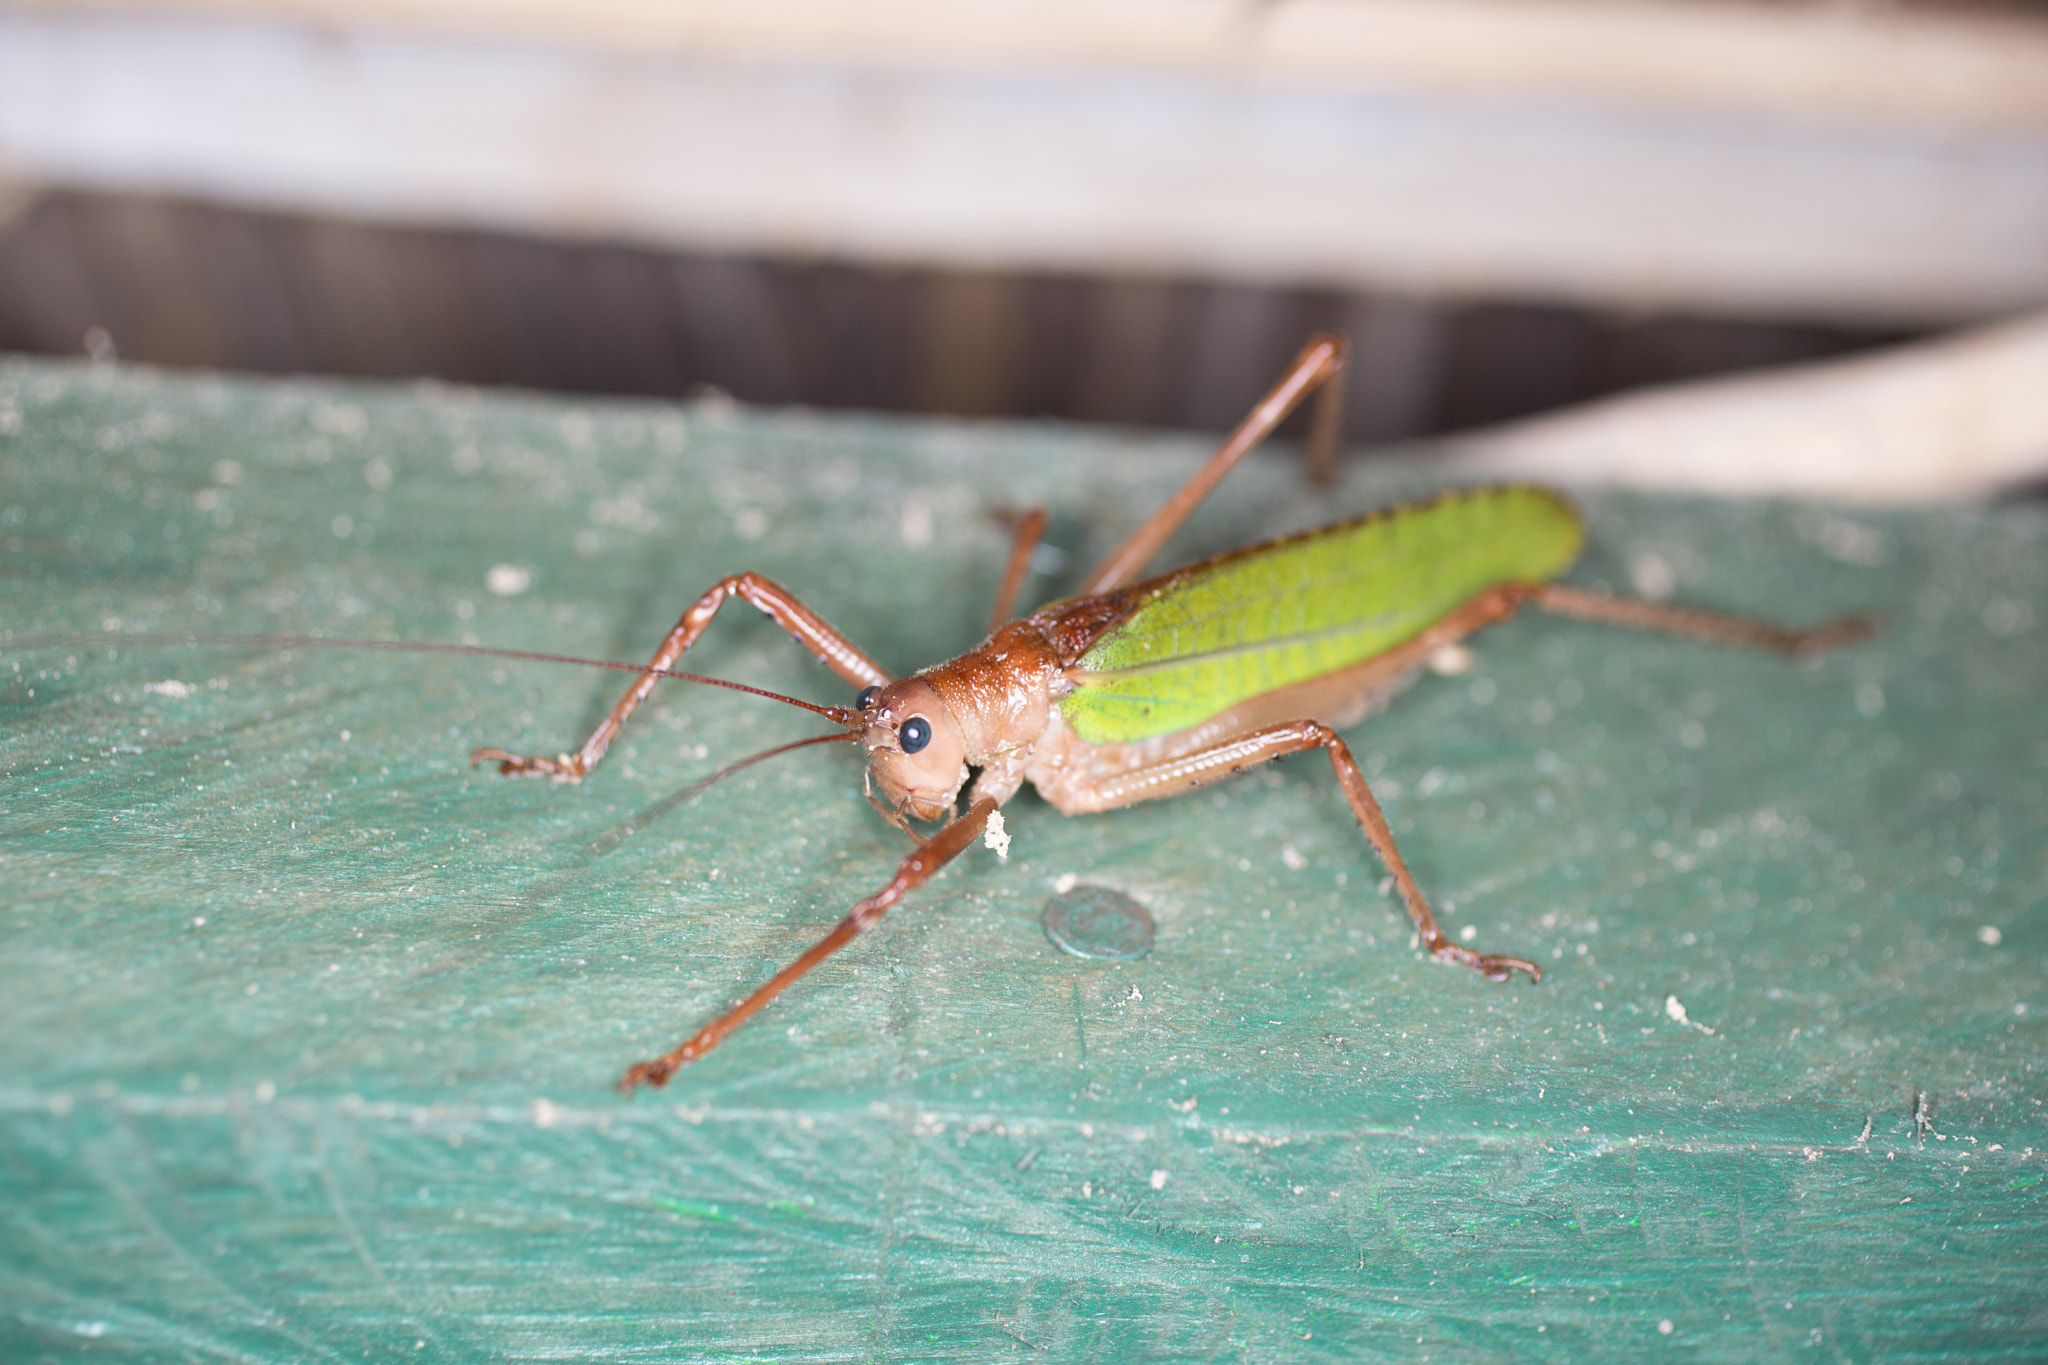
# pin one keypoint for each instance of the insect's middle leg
(1171, 777)
(834, 650)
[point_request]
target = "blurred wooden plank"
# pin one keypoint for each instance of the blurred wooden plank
(1976, 68)
(178, 282)
(1962, 417)
(1546, 192)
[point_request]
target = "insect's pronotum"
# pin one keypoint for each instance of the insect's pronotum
(1133, 690)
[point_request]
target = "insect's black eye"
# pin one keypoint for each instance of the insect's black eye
(914, 734)
(866, 698)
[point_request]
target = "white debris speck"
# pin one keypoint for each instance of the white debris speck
(996, 837)
(1292, 856)
(1990, 936)
(1158, 1180)
(1451, 661)
(266, 1091)
(1678, 1015)
(508, 580)
(544, 1113)
(2008, 616)
(170, 687)
(1064, 883)
(340, 419)
(1468, 933)
(1666, 1327)
(1652, 574)
(1840, 538)
(915, 523)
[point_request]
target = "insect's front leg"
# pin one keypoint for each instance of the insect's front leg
(834, 650)
(911, 873)
(1171, 777)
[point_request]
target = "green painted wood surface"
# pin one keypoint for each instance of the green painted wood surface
(306, 1029)
(1309, 606)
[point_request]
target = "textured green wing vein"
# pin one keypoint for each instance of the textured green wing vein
(1273, 615)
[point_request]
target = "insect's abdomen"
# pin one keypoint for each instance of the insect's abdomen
(1214, 634)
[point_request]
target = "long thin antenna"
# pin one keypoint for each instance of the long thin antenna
(625, 829)
(839, 715)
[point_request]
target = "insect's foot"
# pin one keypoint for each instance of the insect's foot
(654, 1073)
(1488, 965)
(566, 768)
(657, 1072)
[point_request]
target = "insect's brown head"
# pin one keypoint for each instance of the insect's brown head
(915, 749)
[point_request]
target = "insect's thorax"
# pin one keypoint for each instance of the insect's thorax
(1000, 692)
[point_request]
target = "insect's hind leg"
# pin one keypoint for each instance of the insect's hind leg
(1171, 777)
(1318, 365)
(1636, 613)
(1030, 529)
(834, 650)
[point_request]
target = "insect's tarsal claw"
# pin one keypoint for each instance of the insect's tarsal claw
(563, 768)
(1490, 967)
(1504, 969)
(654, 1073)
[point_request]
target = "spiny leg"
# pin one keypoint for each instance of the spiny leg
(911, 873)
(1030, 530)
(1494, 967)
(1319, 362)
(1185, 772)
(834, 650)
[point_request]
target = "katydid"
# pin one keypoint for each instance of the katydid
(1133, 690)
